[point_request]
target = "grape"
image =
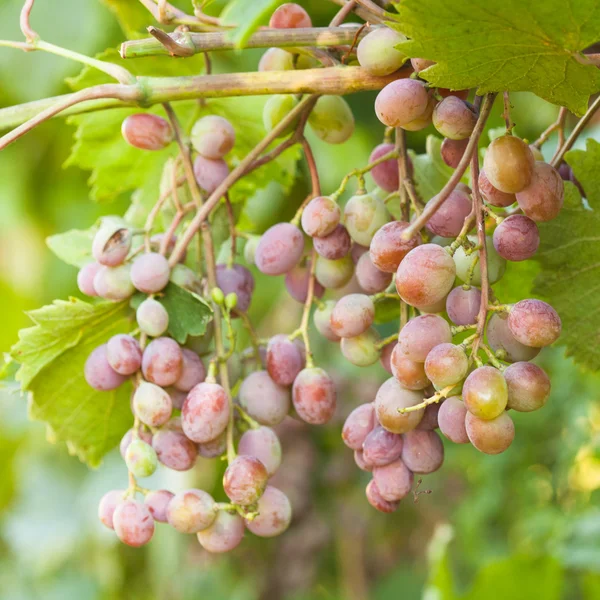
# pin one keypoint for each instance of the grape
(107, 506)
(509, 164)
(214, 448)
(463, 305)
(210, 173)
(516, 238)
(361, 350)
(99, 374)
(192, 372)
(385, 174)
(85, 278)
(133, 523)
(454, 118)
(110, 247)
(322, 320)
(388, 248)
(124, 354)
(422, 121)
(184, 277)
(420, 64)
(290, 16)
(364, 215)
(499, 337)
(410, 373)
(276, 59)
(334, 274)
(152, 317)
(320, 216)
(448, 220)
(263, 399)
(334, 246)
(274, 514)
(425, 276)
(262, 443)
(280, 249)
(314, 396)
(352, 315)
(224, 534)
(152, 404)
(429, 422)
(566, 174)
(381, 447)
(543, 198)
(205, 413)
(276, 109)
(421, 334)
(162, 361)
(376, 500)
(369, 277)
(157, 503)
(191, 511)
(147, 131)
(358, 425)
(245, 480)
(485, 393)
(150, 272)
(174, 449)
(495, 263)
(239, 281)
(212, 136)
(377, 51)
(490, 436)
(493, 195)
(250, 249)
(360, 461)
(451, 418)
(422, 451)
(357, 251)
(534, 323)
(446, 365)
(391, 396)
(528, 386)
(331, 120)
(284, 360)
(140, 458)
(393, 481)
(452, 151)
(128, 437)
(114, 283)
(401, 102)
(296, 283)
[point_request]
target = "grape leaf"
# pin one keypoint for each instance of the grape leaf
(386, 310)
(73, 247)
(132, 16)
(248, 16)
(430, 172)
(501, 45)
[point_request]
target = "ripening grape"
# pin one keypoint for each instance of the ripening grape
(284, 360)
(425, 276)
(452, 151)
(509, 164)
(264, 400)
(185, 277)
(322, 320)
(454, 118)
(152, 317)
(385, 174)
(422, 451)
(192, 371)
(152, 404)
(140, 458)
(191, 511)
(388, 248)
(276, 59)
(485, 393)
(534, 323)
(391, 396)
(364, 215)
(393, 481)
(262, 443)
(516, 238)
(85, 278)
(297, 281)
(110, 247)
(114, 283)
(224, 534)
(381, 447)
(401, 102)
(421, 334)
(213, 448)
(314, 396)
(205, 412)
(493, 195)
(377, 51)
(490, 436)
(157, 502)
(150, 272)
(276, 108)
(448, 220)
(147, 131)
(335, 245)
(420, 64)
(274, 514)
(133, 523)
(446, 365)
(162, 361)
(451, 419)
(290, 16)
(174, 449)
(107, 506)
(528, 386)
(358, 425)
(210, 173)
(245, 480)
(352, 315)
(99, 374)
(128, 437)
(361, 350)
(332, 120)
(280, 249)
(369, 277)
(320, 217)
(124, 354)
(376, 500)
(410, 373)
(236, 280)
(566, 174)
(360, 461)
(212, 136)
(463, 305)
(499, 337)
(429, 422)
(357, 251)
(424, 120)
(543, 198)
(495, 263)
(334, 274)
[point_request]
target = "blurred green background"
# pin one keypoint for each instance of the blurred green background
(522, 525)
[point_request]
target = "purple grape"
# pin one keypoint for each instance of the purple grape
(449, 218)
(133, 523)
(314, 396)
(376, 500)
(124, 354)
(205, 413)
(284, 360)
(99, 374)
(369, 277)
(209, 173)
(245, 480)
(107, 506)
(162, 361)
(262, 443)
(516, 238)
(386, 174)
(152, 317)
(192, 371)
(320, 217)
(114, 283)
(296, 283)
(152, 404)
(451, 418)
(381, 447)
(147, 131)
(150, 272)
(420, 64)
(452, 151)
(157, 503)
(239, 281)
(463, 305)
(224, 534)
(174, 449)
(274, 514)
(334, 246)
(212, 136)
(422, 451)
(359, 423)
(191, 511)
(421, 334)
(391, 396)
(394, 481)
(429, 422)
(85, 278)
(280, 249)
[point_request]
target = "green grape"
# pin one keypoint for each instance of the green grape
(496, 264)
(276, 109)
(377, 51)
(332, 120)
(361, 350)
(141, 458)
(485, 393)
(334, 273)
(364, 215)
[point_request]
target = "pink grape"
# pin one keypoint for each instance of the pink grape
(446, 365)
(451, 418)
(297, 281)
(357, 251)
(98, 372)
(284, 360)
(280, 249)
(422, 451)
(534, 323)
(352, 315)
(150, 272)
(463, 305)
(420, 64)
(449, 218)
(454, 118)
(152, 404)
(528, 386)
(320, 216)
(262, 443)
(369, 277)
(499, 337)
(147, 131)
(224, 534)
(152, 317)
(245, 480)
(421, 334)
(263, 399)
(516, 238)
(114, 283)
(388, 248)
(157, 502)
(193, 371)
(213, 448)
(543, 198)
(274, 514)
(424, 120)
(394, 480)
(174, 449)
(429, 422)
(191, 511)
(322, 320)
(314, 396)
(376, 500)
(493, 195)
(108, 504)
(212, 136)
(290, 16)
(360, 461)
(485, 393)
(386, 174)
(205, 412)
(410, 373)
(133, 523)
(390, 397)
(490, 436)
(85, 278)
(401, 102)
(335, 245)
(111, 247)
(210, 173)
(124, 354)
(239, 281)
(358, 425)
(452, 151)
(162, 361)
(381, 447)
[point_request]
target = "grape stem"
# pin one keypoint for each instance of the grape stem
(400, 147)
(461, 238)
(385, 341)
(246, 417)
(344, 12)
(366, 9)
(558, 124)
(443, 393)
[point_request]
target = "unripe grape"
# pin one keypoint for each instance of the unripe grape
(509, 164)
(236, 280)
(320, 216)
(332, 120)
(147, 131)
(152, 317)
(276, 108)
(420, 64)
(451, 419)
(361, 350)
(335, 245)
(376, 500)
(410, 373)
(454, 118)
(276, 59)
(245, 480)
(449, 218)
(124, 354)
(162, 361)
(369, 277)
(152, 404)
(128, 438)
(359, 423)
(274, 514)
(107, 506)
(133, 523)
(192, 371)
(185, 277)
(99, 374)
(463, 305)
(262, 443)
(452, 151)
(377, 51)
(386, 174)
(150, 272)
(499, 337)
(381, 447)
(210, 173)
(114, 283)
(493, 195)
(264, 400)
(534, 323)
(485, 393)
(224, 534)
(205, 412)
(528, 386)
(446, 365)
(422, 451)
(85, 278)
(364, 215)
(191, 511)
(352, 315)
(490, 436)
(391, 396)
(212, 136)
(543, 198)
(250, 249)
(334, 274)
(141, 459)
(421, 334)
(157, 503)
(314, 396)
(174, 449)
(495, 263)
(516, 238)
(297, 281)
(280, 249)
(322, 320)
(393, 481)
(401, 102)
(111, 246)
(290, 16)
(388, 248)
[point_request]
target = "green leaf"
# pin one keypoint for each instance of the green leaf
(248, 16)
(73, 247)
(501, 45)
(386, 310)
(132, 16)
(430, 172)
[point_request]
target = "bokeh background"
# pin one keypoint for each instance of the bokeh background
(522, 525)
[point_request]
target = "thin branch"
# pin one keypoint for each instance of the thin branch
(364, 13)
(341, 15)
(30, 35)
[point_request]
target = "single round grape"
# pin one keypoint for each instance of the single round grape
(335, 245)
(425, 275)
(449, 218)
(205, 412)
(528, 386)
(385, 174)
(274, 514)
(377, 52)
(245, 480)
(446, 364)
(280, 249)
(210, 173)
(499, 337)
(391, 396)
(410, 373)
(150, 272)
(276, 59)
(422, 451)
(376, 500)
(369, 277)
(152, 317)
(401, 102)
(276, 108)
(133, 523)
(493, 195)
(451, 418)
(352, 315)
(359, 423)
(429, 422)
(284, 360)
(421, 334)
(124, 354)
(495, 263)
(463, 305)
(110, 247)
(214, 448)
(364, 215)
(485, 393)
(152, 404)
(236, 280)
(424, 120)
(454, 118)
(191, 511)
(146, 436)
(114, 283)
(534, 323)
(360, 461)
(321, 216)
(322, 320)
(162, 361)
(314, 396)
(174, 449)
(334, 274)
(157, 502)
(193, 371)
(147, 131)
(141, 459)
(393, 481)
(262, 443)
(361, 350)
(543, 198)
(516, 238)
(452, 151)
(85, 278)
(264, 400)
(99, 374)
(420, 64)
(388, 248)
(566, 174)
(107, 506)
(381, 447)
(331, 120)
(296, 283)
(212, 136)
(224, 534)
(290, 16)
(491, 436)
(509, 164)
